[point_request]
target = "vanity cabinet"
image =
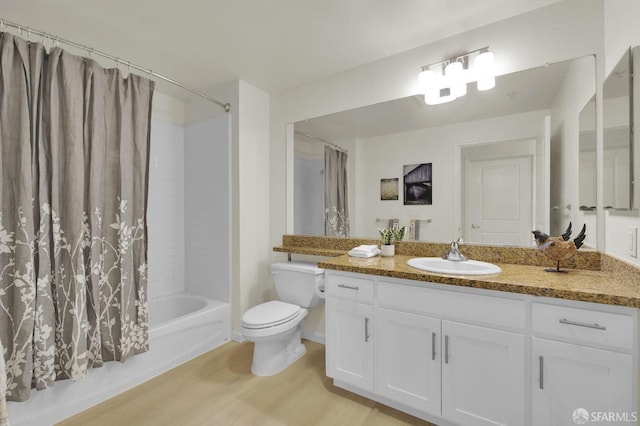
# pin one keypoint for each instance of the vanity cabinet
(466, 373)
(458, 356)
(483, 375)
(349, 348)
(408, 359)
(590, 368)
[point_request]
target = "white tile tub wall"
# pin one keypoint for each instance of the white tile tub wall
(207, 208)
(165, 213)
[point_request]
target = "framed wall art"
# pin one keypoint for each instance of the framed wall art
(418, 184)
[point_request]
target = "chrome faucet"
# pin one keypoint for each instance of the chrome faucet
(454, 254)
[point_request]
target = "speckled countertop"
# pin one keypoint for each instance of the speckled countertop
(576, 284)
(592, 276)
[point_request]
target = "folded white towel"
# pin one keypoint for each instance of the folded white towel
(367, 248)
(364, 251)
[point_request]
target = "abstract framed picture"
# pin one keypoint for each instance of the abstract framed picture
(389, 189)
(418, 183)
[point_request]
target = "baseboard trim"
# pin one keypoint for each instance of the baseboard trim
(236, 336)
(313, 336)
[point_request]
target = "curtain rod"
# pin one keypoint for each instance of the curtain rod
(332, 145)
(91, 51)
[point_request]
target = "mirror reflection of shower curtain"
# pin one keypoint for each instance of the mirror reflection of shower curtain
(336, 205)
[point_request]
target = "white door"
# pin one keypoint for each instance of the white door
(567, 377)
(408, 359)
(349, 346)
(483, 375)
(498, 200)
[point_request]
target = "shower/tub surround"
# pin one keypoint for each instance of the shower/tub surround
(189, 264)
(181, 327)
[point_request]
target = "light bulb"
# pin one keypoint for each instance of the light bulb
(426, 79)
(455, 79)
(485, 71)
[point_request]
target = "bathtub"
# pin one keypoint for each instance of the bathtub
(181, 327)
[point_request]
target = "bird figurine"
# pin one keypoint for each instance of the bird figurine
(559, 248)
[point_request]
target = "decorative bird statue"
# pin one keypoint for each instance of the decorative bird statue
(560, 248)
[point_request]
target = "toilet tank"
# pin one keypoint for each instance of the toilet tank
(300, 283)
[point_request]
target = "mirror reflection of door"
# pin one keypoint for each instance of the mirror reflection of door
(499, 193)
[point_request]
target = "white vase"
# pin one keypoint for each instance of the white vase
(387, 250)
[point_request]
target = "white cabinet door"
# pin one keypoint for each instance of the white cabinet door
(408, 359)
(483, 375)
(568, 377)
(349, 345)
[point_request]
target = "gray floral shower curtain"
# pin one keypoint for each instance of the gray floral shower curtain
(336, 205)
(74, 147)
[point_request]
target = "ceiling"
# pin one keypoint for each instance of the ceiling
(273, 45)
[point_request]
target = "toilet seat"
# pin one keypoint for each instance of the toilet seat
(270, 314)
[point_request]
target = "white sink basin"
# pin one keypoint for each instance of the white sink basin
(443, 266)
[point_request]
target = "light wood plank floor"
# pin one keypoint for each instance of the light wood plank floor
(218, 388)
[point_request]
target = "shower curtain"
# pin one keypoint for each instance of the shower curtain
(336, 208)
(74, 144)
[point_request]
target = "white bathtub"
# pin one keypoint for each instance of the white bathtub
(181, 327)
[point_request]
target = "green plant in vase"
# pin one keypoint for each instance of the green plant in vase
(389, 236)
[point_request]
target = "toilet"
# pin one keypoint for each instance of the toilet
(275, 327)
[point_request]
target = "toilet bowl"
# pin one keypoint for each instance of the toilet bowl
(275, 327)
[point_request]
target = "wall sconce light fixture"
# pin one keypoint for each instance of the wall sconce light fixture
(447, 80)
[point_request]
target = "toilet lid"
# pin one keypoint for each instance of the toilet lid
(269, 314)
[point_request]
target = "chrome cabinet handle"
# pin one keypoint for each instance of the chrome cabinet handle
(348, 287)
(433, 346)
(446, 349)
(541, 374)
(366, 329)
(474, 226)
(582, 324)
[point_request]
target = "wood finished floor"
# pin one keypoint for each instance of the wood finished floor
(218, 388)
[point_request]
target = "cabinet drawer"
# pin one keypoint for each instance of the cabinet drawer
(350, 288)
(453, 304)
(584, 325)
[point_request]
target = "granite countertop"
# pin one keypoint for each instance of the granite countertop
(314, 251)
(578, 284)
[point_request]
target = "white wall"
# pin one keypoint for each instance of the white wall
(207, 194)
(165, 215)
(252, 282)
(384, 156)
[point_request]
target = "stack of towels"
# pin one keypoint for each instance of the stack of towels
(365, 251)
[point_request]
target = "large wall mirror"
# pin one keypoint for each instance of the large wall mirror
(617, 158)
(635, 147)
(497, 159)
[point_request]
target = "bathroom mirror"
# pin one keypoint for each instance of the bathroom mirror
(521, 118)
(587, 167)
(616, 143)
(635, 147)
